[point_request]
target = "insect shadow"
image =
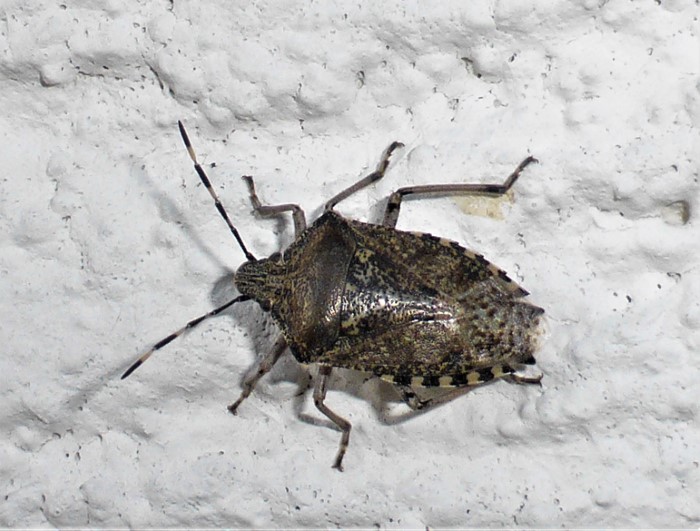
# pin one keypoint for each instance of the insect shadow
(413, 309)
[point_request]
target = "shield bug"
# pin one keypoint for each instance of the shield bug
(411, 308)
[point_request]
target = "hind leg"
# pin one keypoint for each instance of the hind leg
(416, 403)
(393, 207)
(526, 380)
(344, 425)
(462, 383)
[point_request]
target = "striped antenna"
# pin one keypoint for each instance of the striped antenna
(191, 324)
(207, 184)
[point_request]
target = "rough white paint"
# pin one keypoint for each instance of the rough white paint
(108, 244)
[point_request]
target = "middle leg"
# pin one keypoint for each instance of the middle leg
(319, 396)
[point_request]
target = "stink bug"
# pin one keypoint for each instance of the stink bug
(410, 308)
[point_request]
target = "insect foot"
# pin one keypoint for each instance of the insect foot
(410, 308)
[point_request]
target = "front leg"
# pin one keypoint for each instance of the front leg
(265, 366)
(273, 210)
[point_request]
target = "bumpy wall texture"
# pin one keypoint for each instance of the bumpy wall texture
(109, 242)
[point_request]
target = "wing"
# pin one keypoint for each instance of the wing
(441, 264)
(488, 331)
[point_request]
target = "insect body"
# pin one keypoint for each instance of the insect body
(411, 308)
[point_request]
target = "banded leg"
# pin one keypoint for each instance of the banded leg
(416, 403)
(319, 396)
(365, 181)
(393, 207)
(265, 366)
(272, 210)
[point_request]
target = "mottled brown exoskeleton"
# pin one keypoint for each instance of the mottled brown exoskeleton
(410, 308)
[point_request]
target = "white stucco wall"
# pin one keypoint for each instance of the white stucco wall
(108, 243)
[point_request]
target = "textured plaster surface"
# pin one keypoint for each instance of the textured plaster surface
(108, 243)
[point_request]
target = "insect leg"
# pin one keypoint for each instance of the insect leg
(265, 366)
(409, 395)
(391, 214)
(519, 379)
(268, 210)
(344, 425)
(365, 181)
(416, 403)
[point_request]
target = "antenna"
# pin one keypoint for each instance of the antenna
(207, 183)
(191, 324)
